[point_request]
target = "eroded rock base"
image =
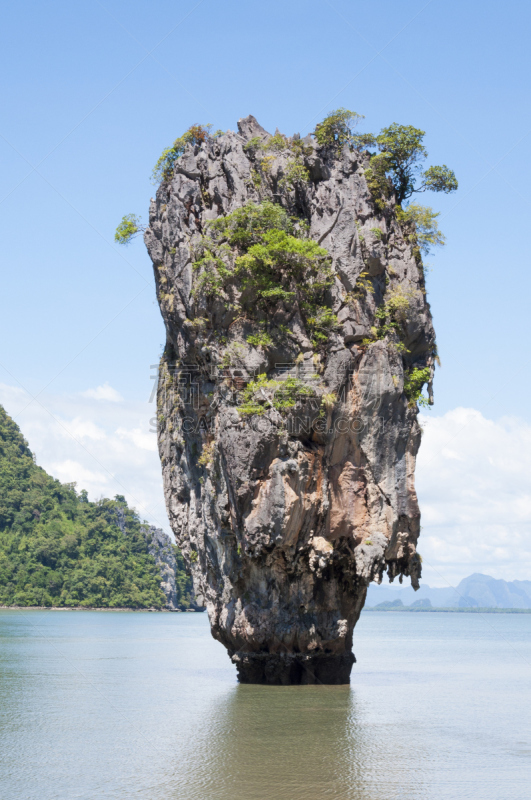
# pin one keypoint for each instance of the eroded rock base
(287, 669)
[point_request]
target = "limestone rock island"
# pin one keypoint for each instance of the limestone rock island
(298, 341)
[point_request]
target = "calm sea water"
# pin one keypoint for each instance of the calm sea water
(136, 705)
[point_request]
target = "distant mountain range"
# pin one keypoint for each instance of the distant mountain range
(476, 591)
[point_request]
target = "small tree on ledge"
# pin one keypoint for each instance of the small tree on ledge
(129, 227)
(399, 158)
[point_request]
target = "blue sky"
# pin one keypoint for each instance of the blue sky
(92, 94)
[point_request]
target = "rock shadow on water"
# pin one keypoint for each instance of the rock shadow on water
(285, 742)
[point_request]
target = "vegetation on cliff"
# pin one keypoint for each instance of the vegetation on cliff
(58, 548)
(271, 258)
(129, 227)
(397, 154)
(259, 259)
(397, 163)
(163, 169)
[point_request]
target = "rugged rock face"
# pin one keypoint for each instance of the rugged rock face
(286, 515)
(160, 546)
(174, 581)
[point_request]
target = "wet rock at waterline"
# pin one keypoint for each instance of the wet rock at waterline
(286, 436)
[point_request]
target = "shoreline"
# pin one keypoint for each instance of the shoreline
(405, 610)
(103, 608)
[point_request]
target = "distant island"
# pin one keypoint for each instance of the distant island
(476, 593)
(58, 549)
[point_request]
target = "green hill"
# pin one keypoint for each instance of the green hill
(58, 548)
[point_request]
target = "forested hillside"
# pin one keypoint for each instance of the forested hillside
(58, 548)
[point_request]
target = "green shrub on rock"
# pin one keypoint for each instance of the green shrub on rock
(268, 254)
(129, 227)
(263, 393)
(295, 175)
(163, 169)
(414, 381)
(425, 232)
(337, 128)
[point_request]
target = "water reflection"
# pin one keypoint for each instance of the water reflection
(123, 706)
(291, 743)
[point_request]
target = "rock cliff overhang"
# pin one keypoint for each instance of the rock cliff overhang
(295, 314)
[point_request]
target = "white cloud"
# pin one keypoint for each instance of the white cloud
(72, 471)
(474, 487)
(104, 392)
(79, 428)
(141, 438)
